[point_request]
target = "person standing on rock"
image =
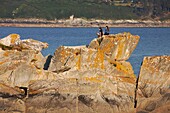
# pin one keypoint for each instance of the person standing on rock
(106, 31)
(100, 33)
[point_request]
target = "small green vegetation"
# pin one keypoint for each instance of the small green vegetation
(4, 47)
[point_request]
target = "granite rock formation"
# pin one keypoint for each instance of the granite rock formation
(12, 39)
(18, 64)
(90, 74)
(116, 47)
(13, 42)
(153, 94)
(80, 79)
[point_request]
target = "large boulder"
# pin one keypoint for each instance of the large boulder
(10, 40)
(79, 60)
(93, 79)
(153, 93)
(21, 61)
(79, 78)
(33, 44)
(116, 47)
(13, 42)
(84, 95)
(89, 80)
(20, 67)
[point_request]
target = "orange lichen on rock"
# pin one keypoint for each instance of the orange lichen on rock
(125, 68)
(2, 62)
(120, 49)
(63, 55)
(94, 79)
(131, 80)
(99, 59)
(78, 63)
(39, 72)
(107, 47)
(90, 52)
(6, 54)
(153, 84)
(119, 46)
(14, 38)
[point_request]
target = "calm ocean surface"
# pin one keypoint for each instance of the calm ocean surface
(153, 41)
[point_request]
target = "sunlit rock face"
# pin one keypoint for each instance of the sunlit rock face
(78, 79)
(108, 52)
(91, 80)
(33, 44)
(13, 42)
(116, 47)
(81, 79)
(154, 85)
(19, 66)
(12, 105)
(82, 61)
(12, 39)
(84, 94)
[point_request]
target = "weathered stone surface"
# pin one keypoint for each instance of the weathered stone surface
(96, 82)
(33, 44)
(116, 47)
(6, 91)
(87, 62)
(9, 99)
(13, 42)
(154, 85)
(81, 79)
(10, 40)
(84, 94)
(12, 105)
(88, 80)
(18, 67)
(93, 79)
(10, 60)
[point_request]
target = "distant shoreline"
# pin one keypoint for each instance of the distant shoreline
(79, 22)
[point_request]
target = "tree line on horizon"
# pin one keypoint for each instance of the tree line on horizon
(97, 9)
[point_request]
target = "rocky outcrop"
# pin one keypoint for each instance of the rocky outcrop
(88, 80)
(13, 42)
(81, 79)
(86, 94)
(19, 66)
(78, 79)
(20, 62)
(13, 39)
(89, 62)
(153, 93)
(116, 47)
(33, 44)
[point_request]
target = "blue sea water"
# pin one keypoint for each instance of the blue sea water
(153, 41)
